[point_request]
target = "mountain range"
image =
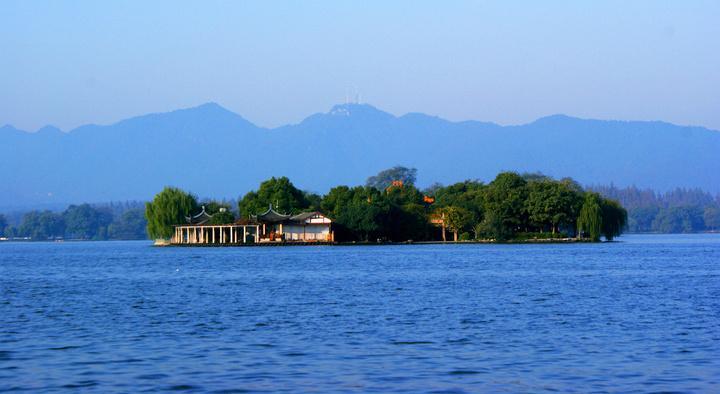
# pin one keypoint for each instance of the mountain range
(217, 153)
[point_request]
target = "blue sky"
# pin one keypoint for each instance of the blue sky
(72, 63)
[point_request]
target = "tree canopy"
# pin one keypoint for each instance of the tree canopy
(42, 225)
(505, 200)
(676, 211)
(512, 206)
(386, 177)
(279, 192)
(130, 225)
(86, 222)
(589, 221)
(3, 224)
(168, 208)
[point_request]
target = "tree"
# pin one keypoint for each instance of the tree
(360, 213)
(469, 195)
(685, 219)
(313, 201)
(456, 219)
(130, 225)
(223, 216)
(551, 203)
(212, 207)
(279, 192)
(590, 219)
(384, 178)
(711, 217)
(169, 207)
(40, 226)
(3, 224)
(85, 222)
(336, 200)
(505, 201)
(614, 218)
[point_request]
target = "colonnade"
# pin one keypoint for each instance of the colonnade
(224, 234)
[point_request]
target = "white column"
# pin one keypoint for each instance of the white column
(244, 234)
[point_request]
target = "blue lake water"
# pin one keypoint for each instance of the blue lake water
(641, 315)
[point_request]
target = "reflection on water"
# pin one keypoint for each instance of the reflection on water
(637, 315)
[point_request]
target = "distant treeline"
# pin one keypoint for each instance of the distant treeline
(390, 208)
(123, 220)
(677, 211)
(512, 206)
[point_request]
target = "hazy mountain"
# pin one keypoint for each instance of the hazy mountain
(215, 152)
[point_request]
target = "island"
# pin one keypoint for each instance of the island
(391, 209)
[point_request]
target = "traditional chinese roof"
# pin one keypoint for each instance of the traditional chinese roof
(310, 218)
(201, 218)
(271, 216)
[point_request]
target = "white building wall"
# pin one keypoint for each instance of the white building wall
(311, 232)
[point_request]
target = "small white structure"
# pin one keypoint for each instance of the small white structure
(304, 227)
(308, 226)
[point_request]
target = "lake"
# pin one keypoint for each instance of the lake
(639, 315)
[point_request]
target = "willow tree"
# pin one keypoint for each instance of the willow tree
(168, 208)
(590, 219)
(614, 218)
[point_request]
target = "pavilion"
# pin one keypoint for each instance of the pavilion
(267, 227)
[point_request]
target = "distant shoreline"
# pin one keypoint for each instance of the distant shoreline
(473, 242)
(532, 241)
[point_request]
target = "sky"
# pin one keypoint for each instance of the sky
(511, 62)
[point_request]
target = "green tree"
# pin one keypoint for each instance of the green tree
(85, 222)
(336, 200)
(40, 226)
(130, 225)
(384, 178)
(683, 219)
(212, 207)
(279, 192)
(640, 219)
(711, 218)
(220, 211)
(407, 217)
(313, 201)
(457, 219)
(614, 218)
(3, 224)
(169, 207)
(223, 216)
(590, 219)
(505, 202)
(550, 204)
(469, 195)
(360, 213)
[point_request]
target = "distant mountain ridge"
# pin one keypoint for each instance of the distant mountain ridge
(215, 152)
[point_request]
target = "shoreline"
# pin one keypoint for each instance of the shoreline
(476, 242)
